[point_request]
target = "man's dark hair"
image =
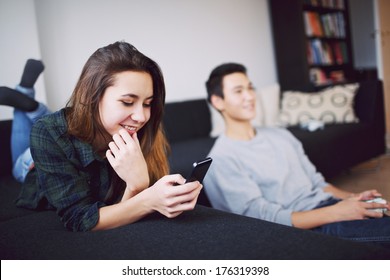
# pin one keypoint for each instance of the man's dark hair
(214, 83)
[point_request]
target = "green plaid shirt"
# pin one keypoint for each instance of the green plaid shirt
(68, 175)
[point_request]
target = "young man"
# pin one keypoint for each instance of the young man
(264, 172)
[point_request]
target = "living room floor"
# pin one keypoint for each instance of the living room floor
(373, 174)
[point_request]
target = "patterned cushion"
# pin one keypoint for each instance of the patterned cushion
(331, 105)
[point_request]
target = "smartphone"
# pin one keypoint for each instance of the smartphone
(199, 170)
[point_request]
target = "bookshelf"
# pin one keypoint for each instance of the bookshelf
(312, 43)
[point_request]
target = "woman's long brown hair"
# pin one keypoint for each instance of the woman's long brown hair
(83, 107)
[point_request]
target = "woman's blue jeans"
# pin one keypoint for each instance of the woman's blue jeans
(20, 136)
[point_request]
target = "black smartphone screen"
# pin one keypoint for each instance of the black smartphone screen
(199, 170)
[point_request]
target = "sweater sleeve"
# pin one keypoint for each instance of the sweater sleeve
(230, 188)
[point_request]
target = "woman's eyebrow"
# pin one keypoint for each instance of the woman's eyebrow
(132, 95)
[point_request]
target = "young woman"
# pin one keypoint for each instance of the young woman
(101, 162)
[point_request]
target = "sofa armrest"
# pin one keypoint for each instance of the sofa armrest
(369, 108)
(369, 103)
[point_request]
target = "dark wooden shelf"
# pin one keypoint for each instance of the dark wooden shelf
(291, 44)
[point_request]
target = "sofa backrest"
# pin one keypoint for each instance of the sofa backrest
(187, 120)
(369, 104)
(5, 148)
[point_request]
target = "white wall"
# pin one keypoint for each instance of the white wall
(378, 47)
(19, 42)
(187, 38)
(362, 17)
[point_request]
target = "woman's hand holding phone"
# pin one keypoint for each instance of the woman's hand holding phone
(171, 202)
(171, 196)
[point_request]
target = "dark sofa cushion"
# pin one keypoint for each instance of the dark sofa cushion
(5, 147)
(9, 190)
(184, 154)
(204, 233)
(187, 120)
(368, 103)
(338, 147)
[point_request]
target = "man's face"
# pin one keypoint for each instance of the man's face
(239, 102)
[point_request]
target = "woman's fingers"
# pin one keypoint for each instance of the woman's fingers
(184, 193)
(113, 148)
(173, 196)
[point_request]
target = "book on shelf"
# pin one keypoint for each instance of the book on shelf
(333, 25)
(344, 52)
(340, 52)
(332, 4)
(313, 24)
(318, 77)
(338, 55)
(312, 2)
(319, 53)
(337, 76)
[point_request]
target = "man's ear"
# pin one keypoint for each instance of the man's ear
(217, 102)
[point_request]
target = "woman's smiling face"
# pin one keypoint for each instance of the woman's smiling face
(127, 103)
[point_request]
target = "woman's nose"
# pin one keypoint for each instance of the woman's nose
(138, 114)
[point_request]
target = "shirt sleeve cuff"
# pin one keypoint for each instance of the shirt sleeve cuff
(90, 218)
(284, 217)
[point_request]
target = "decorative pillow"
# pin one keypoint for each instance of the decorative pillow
(331, 105)
(217, 122)
(270, 102)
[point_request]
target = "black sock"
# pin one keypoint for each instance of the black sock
(31, 72)
(16, 99)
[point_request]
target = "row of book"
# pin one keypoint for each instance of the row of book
(324, 25)
(326, 53)
(333, 4)
(318, 77)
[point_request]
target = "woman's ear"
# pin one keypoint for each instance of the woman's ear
(217, 102)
